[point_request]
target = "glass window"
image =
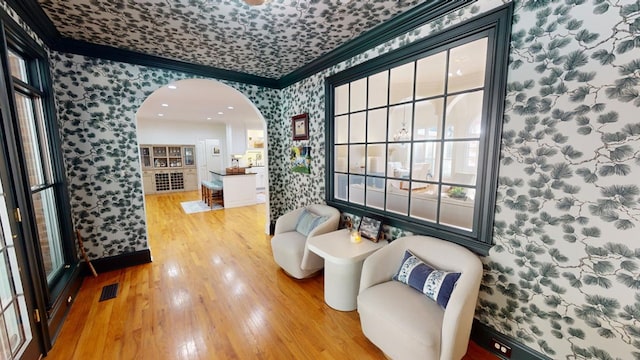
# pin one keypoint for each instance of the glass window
(34, 138)
(409, 136)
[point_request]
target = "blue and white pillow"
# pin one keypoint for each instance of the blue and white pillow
(436, 284)
(308, 221)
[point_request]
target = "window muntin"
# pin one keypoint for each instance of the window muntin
(431, 141)
(36, 151)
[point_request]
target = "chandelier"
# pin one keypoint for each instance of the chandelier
(403, 134)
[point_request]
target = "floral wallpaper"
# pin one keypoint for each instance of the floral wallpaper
(226, 34)
(562, 278)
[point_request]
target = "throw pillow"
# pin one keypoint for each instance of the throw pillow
(436, 284)
(308, 221)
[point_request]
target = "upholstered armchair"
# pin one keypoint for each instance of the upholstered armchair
(406, 323)
(289, 242)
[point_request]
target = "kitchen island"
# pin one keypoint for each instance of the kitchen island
(239, 189)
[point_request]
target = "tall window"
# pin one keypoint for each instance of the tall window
(35, 147)
(413, 134)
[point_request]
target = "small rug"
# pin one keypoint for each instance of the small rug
(191, 207)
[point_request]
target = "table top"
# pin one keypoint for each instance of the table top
(337, 247)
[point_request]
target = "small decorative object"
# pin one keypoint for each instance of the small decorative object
(370, 228)
(301, 159)
(355, 236)
(300, 125)
(348, 224)
(457, 192)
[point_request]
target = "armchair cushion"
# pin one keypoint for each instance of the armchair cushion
(308, 221)
(435, 284)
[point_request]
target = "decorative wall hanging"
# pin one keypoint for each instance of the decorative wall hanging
(301, 159)
(300, 126)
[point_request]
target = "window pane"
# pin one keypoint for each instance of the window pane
(342, 129)
(356, 189)
(426, 161)
(376, 159)
(398, 163)
(357, 127)
(341, 186)
(358, 95)
(401, 87)
(428, 121)
(424, 201)
(375, 193)
(464, 114)
(400, 122)
(456, 208)
(377, 125)
(341, 153)
(467, 66)
(48, 231)
(397, 198)
(342, 99)
(44, 141)
(18, 67)
(460, 168)
(378, 89)
(430, 75)
(29, 139)
(356, 159)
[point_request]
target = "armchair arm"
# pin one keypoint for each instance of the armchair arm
(288, 221)
(380, 266)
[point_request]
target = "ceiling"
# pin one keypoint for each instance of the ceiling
(191, 100)
(271, 40)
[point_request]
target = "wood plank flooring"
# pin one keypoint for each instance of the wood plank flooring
(212, 291)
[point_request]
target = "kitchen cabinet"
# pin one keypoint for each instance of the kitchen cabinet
(236, 139)
(168, 168)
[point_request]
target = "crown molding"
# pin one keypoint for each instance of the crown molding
(380, 34)
(33, 15)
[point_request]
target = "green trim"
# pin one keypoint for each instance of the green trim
(132, 57)
(497, 26)
(33, 15)
(482, 334)
(120, 261)
(380, 34)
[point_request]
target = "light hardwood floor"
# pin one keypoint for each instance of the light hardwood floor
(212, 291)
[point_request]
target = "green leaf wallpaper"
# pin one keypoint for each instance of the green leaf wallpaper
(97, 104)
(564, 273)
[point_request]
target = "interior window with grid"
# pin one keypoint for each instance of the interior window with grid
(407, 138)
(413, 135)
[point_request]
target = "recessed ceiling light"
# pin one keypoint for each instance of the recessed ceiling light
(172, 87)
(230, 107)
(165, 105)
(220, 113)
(208, 118)
(160, 114)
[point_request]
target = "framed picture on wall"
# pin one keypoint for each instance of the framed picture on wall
(300, 126)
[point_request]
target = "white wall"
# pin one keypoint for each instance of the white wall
(152, 131)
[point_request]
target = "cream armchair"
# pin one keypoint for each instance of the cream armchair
(289, 242)
(403, 322)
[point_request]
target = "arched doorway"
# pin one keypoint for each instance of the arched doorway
(214, 118)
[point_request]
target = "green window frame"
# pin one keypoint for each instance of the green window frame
(413, 136)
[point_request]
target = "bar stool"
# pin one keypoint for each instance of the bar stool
(212, 193)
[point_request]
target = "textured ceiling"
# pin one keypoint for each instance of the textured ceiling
(271, 40)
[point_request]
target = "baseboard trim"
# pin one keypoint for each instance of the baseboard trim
(482, 335)
(120, 261)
